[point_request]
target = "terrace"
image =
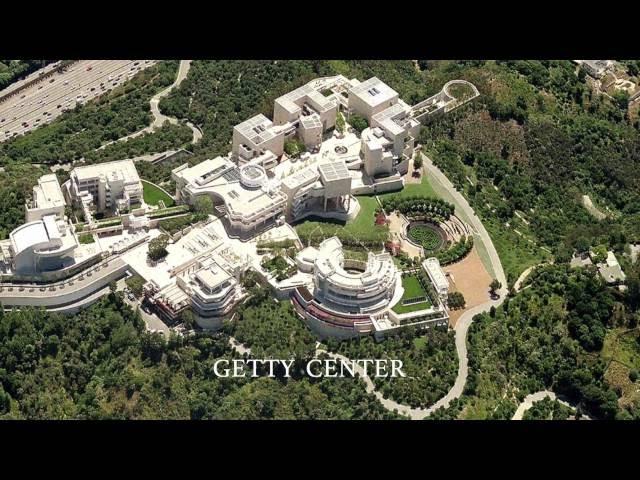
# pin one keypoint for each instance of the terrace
(414, 298)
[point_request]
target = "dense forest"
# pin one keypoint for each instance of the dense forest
(525, 152)
(13, 70)
(101, 364)
(555, 335)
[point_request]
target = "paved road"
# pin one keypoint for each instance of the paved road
(529, 400)
(463, 369)
(470, 216)
(152, 321)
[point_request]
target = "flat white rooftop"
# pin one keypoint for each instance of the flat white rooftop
(212, 276)
(333, 171)
(439, 278)
(257, 129)
(47, 193)
(222, 178)
(395, 119)
(124, 170)
(292, 100)
(373, 92)
(301, 177)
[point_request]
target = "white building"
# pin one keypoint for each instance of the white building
(346, 294)
(47, 199)
(249, 201)
(106, 186)
(212, 289)
(388, 143)
(307, 109)
(610, 270)
(305, 112)
(437, 276)
(255, 137)
(347, 285)
(371, 97)
(318, 189)
(42, 245)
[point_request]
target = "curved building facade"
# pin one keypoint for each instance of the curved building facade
(346, 293)
(43, 245)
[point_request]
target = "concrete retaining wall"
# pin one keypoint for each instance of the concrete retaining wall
(56, 296)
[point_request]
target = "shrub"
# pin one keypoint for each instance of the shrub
(457, 252)
(294, 147)
(86, 238)
(358, 123)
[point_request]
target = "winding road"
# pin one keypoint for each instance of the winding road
(529, 400)
(158, 117)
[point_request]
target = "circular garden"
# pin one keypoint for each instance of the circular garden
(428, 235)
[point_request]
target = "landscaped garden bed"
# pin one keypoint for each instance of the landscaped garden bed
(167, 212)
(428, 235)
(279, 266)
(456, 252)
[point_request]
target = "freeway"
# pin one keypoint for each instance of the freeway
(44, 100)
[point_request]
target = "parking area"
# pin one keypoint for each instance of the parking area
(43, 101)
(151, 320)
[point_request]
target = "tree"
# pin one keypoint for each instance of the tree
(158, 247)
(135, 284)
(203, 206)
(188, 319)
(456, 300)
(600, 254)
(417, 161)
(494, 285)
(5, 402)
(340, 123)
(294, 147)
(582, 244)
(358, 122)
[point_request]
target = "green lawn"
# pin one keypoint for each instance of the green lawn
(361, 227)
(423, 188)
(152, 195)
(412, 288)
(365, 218)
